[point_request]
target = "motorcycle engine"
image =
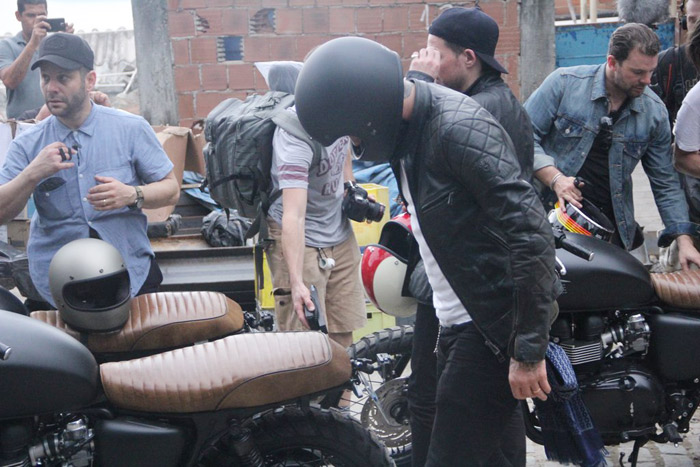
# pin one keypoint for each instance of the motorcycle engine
(588, 338)
(64, 442)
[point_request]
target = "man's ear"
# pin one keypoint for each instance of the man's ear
(469, 57)
(18, 15)
(612, 62)
(90, 80)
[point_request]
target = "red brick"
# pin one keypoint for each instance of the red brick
(256, 48)
(274, 3)
(391, 41)
(234, 22)
(259, 79)
(295, 3)
(414, 41)
(329, 2)
(173, 5)
(186, 122)
(355, 2)
(368, 20)
(203, 50)
(509, 41)
(256, 4)
(191, 4)
(382, 2)
(208, 21)
(185, 105)
(306, 44)
(495, 10)
(181, 24)
(214, 77)
(187, 78)
(396, 19)
(512, 15)
(241, 76)
(215, 3)
(415, 13)
(288, 21)
(206, 101)
(181, 51)
(316, 20)
(283, 48)
(342, 20)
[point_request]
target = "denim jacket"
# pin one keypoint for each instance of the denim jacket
(566, 111)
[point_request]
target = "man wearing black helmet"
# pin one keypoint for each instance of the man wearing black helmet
(460, 55)
(459, 175)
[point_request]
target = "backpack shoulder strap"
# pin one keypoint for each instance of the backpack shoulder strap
(290, 123)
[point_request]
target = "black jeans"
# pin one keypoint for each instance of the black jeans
(475, 420)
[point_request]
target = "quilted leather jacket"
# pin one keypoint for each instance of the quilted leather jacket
(484, 225)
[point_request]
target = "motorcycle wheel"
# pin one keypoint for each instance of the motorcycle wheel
(313, 437)
(533, 429)
(392, 345)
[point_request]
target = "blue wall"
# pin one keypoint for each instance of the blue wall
(587, 44)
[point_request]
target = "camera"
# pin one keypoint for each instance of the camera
(316, 319)
(358, 208)
(57, 24)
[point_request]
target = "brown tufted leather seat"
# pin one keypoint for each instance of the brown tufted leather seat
(680, 289)
(162, 320)
(244, 370)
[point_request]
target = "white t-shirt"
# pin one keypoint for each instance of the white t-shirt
(687, 128)
(448, 307)
(325, 224)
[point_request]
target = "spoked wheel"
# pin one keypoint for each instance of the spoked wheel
(288, 436)
(383, 410)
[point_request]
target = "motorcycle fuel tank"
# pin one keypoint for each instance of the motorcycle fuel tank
(613, 279)
(46, 370)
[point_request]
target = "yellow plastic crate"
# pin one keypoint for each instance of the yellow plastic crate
(376, 321)
(367, 233)
(264, 294)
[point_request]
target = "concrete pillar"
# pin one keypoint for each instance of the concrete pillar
(537, 54)
(154, 61)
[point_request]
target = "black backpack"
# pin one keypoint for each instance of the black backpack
(238, 152)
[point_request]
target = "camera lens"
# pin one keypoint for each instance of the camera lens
(375, 211)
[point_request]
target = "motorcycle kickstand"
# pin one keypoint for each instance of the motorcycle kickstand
(638, 444)
(373, 395)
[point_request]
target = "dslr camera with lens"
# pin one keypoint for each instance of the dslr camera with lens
(358, 207)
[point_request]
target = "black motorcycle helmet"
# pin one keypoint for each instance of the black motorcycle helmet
(352, 86)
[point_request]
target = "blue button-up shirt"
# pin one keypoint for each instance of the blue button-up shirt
(26, 96)
(111, 143)
(566, 111)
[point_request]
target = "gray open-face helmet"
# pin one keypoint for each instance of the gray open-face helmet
(90, 285)
(352, 86)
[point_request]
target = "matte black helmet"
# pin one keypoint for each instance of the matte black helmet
(352, 86)
(90, 285)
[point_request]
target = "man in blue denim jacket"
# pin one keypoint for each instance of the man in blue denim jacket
(597, 122)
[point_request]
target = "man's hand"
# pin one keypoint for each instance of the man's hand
(110, 194)
(40, 30)
(528, 380)
(687, 253)
(426, 61)
(567, 191)
(300, 296)
(49, 161)
(100, 98)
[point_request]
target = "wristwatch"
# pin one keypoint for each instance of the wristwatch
(139, 199)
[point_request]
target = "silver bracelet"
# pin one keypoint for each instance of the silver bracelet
(554, 180)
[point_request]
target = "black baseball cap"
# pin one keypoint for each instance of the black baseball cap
(472, 29)
(67, 51)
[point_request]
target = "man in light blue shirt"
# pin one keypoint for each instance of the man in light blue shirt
(19, 52)
(597, 122)
(90, 168)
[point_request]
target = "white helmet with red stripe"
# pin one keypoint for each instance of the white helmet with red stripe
(384, 268)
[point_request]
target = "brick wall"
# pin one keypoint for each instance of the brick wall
(216, 42)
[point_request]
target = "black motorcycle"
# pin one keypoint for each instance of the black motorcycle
(243, 400)
(632, 339)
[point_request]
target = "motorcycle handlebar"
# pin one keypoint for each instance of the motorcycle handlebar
(560, 241)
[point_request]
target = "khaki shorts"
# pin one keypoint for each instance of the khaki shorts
(339, 289)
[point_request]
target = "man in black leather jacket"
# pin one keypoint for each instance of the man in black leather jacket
(459, 55)
(487, 247)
